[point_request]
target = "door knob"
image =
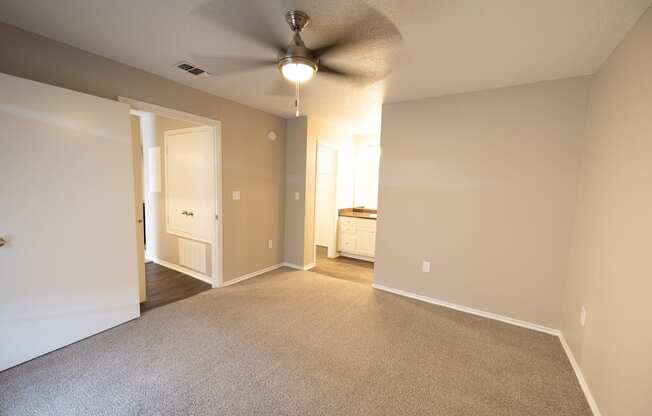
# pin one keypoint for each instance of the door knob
(2, 241)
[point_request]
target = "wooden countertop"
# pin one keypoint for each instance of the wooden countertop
(366, 213)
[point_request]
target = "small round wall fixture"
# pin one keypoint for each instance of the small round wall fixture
(271, 135)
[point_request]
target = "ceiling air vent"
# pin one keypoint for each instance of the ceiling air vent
(189, 68)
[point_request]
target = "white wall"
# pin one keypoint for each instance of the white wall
(326, 196)
(483, 185)
(346, 172)
(357, 168)
(367, 168)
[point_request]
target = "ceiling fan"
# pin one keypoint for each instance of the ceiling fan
(349, 47)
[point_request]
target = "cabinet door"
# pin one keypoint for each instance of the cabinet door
(348, 242)
(347, 225)
(366, 242)
(188, 183)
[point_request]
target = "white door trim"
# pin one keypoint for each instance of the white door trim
(217, 246)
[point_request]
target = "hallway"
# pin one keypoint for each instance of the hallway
(345, 268)
(166, 286)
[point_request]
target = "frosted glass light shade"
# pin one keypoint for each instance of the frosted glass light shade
(297, 72)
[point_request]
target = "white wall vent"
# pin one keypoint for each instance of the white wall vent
(192, 255)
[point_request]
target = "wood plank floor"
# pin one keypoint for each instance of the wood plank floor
(345, 268)
(166, 286)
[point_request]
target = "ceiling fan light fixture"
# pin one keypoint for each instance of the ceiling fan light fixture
(297, 71)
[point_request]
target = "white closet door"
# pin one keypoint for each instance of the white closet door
(68, 268)
(189, 155)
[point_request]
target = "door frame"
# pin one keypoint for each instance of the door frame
(217, 244)
(332, 246)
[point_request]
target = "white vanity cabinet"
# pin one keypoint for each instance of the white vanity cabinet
(357, 237)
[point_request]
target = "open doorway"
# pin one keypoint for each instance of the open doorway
(177, 180)
(346, 198)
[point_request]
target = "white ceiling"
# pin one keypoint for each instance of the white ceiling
(449, 46)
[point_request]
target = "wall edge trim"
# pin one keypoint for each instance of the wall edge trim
(297, 267)
(580, 377)
(204, 278)
(461, 308)
(250, 275)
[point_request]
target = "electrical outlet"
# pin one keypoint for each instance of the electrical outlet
(425, 266)
(236, 195)
(583, 316)
(269, 244)
(297, 196)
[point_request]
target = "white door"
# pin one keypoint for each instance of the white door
(189, 182)
(326, 204)
(68, 269)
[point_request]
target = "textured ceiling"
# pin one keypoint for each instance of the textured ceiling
(448, 46)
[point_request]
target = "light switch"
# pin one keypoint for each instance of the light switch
(425, 267)
(236, 195)
(269, 244)
(297, 196)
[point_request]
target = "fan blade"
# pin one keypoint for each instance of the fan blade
(243, 17)
(345, 74)
(222, 65)
(282, 88)
(367, 32)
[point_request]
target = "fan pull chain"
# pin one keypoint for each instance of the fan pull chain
(296, 101)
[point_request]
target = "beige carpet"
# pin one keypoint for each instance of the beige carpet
(299, 343)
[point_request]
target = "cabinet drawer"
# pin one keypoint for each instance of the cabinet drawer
(366, 225)
(347, 242)
(347, 225)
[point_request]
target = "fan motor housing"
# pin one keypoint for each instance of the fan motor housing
(294, 54)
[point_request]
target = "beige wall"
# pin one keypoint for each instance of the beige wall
(483, 186)
(612, 268)
(252, 164)
(303, 133)
(295, 176)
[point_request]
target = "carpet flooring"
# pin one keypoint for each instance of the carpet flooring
(299, 343)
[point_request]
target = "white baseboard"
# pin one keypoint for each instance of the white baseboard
(296, 266)
(467, 309)
(357, 257)
(184, 270)
(250, 275)
(580, 377)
